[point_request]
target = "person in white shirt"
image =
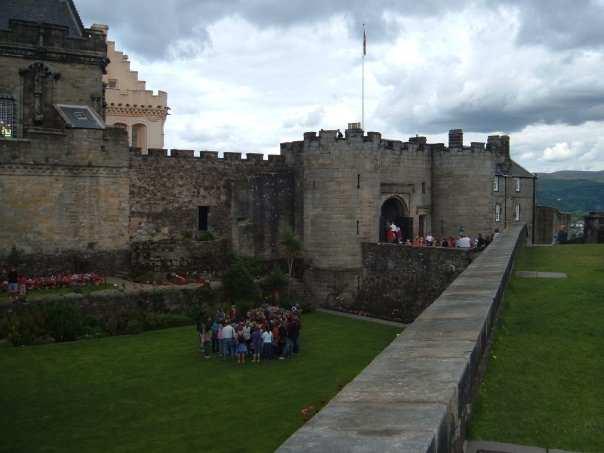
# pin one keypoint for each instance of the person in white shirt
(228, 338)
(267, 344)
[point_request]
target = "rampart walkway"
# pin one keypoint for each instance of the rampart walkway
(415, 396)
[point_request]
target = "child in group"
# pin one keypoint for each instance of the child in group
(241, 347)
(206, 341)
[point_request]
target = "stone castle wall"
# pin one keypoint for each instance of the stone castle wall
(399, 282)
(461, 191)
(249, 201)
(342, 185)
(67, 192)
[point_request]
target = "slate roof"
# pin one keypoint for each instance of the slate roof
(56, 12)
(514, 170)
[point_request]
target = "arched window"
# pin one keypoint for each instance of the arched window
(121, 125)
(8, 116)
(497, 212)
(517, 212)
(139, 136)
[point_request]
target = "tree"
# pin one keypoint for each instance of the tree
(293, 249)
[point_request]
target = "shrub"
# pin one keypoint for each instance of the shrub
(26, 325)
(206, 236)
(64, 321)
(154, 321)
(239, 282)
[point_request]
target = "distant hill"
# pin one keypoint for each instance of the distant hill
(572, 191)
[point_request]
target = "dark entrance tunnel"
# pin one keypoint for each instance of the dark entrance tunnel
(395, 211)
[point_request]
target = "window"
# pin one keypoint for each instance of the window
(517, 184)
(139, 136)
(497, 212)
(112, 83)
(357, 227)
(423, 187)
(7, 116)
(496, 184)
(517, 212)
(358, 181)
(202, 212)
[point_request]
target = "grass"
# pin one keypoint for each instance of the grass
(38, 294)
(154, 393)
(545, 379)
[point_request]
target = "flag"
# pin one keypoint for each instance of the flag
(364, 41)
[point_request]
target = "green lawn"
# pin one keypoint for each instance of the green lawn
(545, 381)
(154, 392)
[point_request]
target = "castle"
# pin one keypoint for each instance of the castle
(71, 187)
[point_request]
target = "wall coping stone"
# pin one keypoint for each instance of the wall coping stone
(415, 395)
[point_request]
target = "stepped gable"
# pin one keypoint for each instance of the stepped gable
(55, 12)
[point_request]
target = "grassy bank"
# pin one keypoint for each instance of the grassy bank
(545, 381)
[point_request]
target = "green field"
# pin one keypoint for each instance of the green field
(154, 392)
(545, 381)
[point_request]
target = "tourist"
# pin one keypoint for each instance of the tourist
(429, 240)
(13, 284)
(206, 339)
(496, 234)
(267, 343)
(215, 343)
(390, 233)
(220, 340)
(256, 343)
(276, 339)
(444, 243)
(398, 234)
(464, 242)
(480, 242)
(451, 242)
(241, 346)
(228, 339)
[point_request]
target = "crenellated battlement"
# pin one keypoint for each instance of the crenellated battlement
(355, 139)
(213, 156)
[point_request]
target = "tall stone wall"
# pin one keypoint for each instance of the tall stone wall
(249, 201)
(67, 192)
(462, 186)
(399, 282)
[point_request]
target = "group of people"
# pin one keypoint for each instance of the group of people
(261, 334)
(394, 235)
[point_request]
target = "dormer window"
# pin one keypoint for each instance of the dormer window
(517, 180)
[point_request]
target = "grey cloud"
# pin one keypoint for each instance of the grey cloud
(561, 24)
(570, 106)
(149, 28)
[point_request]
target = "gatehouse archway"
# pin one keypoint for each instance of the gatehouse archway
(395, 210)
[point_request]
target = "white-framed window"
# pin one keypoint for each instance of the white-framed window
(517, 184)
(497, 212)
(496, 184)
(517, 212)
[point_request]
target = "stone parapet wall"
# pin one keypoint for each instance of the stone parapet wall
(178, 256)
(399, 282)
(68, 262)
(416, 395)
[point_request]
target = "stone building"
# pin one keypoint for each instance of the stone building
(549, 222)
(349, 187)
(74, 192)
(593, 231)
(63, 176)
(128, 102)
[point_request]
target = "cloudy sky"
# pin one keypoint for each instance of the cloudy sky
(245, 75)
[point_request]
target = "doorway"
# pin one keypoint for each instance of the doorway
(394, 210)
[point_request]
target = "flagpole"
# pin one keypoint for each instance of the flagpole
(363, 80)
